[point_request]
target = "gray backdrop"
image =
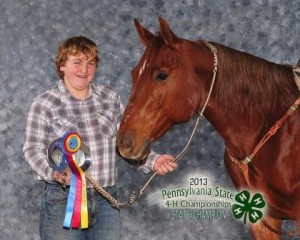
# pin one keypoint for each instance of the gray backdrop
(30, 32)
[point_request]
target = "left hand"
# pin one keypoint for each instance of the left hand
(163, 164)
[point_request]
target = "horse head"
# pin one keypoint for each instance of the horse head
(169, 86)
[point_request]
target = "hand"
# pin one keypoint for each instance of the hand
(163, 164)
(63, 178)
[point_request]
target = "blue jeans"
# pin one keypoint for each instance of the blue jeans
(104, 220)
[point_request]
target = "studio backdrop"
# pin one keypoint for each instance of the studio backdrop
(30, 33)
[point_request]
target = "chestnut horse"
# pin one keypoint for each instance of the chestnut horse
(171, 83)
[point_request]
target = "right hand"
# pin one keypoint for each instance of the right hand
(64, 178)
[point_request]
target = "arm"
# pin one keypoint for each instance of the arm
(36, 143)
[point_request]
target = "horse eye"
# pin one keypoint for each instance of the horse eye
(161, 77)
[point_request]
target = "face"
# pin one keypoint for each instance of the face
(158, 100)
(79, 72)
(166, 90)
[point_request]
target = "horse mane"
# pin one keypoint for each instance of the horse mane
(251, 85)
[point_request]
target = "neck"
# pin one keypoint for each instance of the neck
(79, 94)
(243, 113)
(239, 133)
(234, 135)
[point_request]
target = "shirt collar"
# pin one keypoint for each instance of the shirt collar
(66, 95)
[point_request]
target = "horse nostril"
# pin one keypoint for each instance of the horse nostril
(127, 142)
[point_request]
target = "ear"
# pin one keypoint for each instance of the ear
(145, 35)
(169, 37)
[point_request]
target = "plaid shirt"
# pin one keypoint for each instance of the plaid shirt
(95, 119)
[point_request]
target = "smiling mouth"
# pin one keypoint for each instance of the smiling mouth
(82, 76)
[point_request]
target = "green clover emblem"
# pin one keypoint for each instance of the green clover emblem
(245, 207)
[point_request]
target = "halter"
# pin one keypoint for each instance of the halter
(200, 114)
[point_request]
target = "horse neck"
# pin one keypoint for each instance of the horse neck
(239, 121)
(239, 133)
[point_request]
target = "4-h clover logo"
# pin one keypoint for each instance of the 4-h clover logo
(245, 207)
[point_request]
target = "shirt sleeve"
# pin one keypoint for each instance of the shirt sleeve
(36, 142)
(121, 110)
(148, 166)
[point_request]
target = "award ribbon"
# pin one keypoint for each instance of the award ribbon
(76, 211)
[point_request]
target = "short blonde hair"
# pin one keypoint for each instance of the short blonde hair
(74, 46)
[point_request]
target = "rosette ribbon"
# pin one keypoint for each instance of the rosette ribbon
(69, 151)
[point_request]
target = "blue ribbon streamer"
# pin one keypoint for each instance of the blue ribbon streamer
(70, 203)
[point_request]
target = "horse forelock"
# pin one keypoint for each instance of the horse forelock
(153, 49)
(154, 54)
(250, 85)
(148, 56)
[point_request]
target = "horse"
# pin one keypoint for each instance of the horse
(171, 83)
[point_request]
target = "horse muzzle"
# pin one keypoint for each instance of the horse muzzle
(131, 149)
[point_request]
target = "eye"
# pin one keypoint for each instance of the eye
(161, 76)
(76, 62)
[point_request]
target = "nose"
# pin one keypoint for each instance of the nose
(84, 68)
(125, 144)
(130, 149)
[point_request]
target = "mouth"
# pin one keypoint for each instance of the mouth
(82, 76)
(129, 151)
(140, 156)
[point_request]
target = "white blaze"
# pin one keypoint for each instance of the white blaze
(142, 68)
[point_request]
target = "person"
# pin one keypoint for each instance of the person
(94, 111)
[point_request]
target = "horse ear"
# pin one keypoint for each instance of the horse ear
(166, 32)
(145, 35)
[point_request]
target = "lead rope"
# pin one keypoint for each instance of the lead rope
(133, 197)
